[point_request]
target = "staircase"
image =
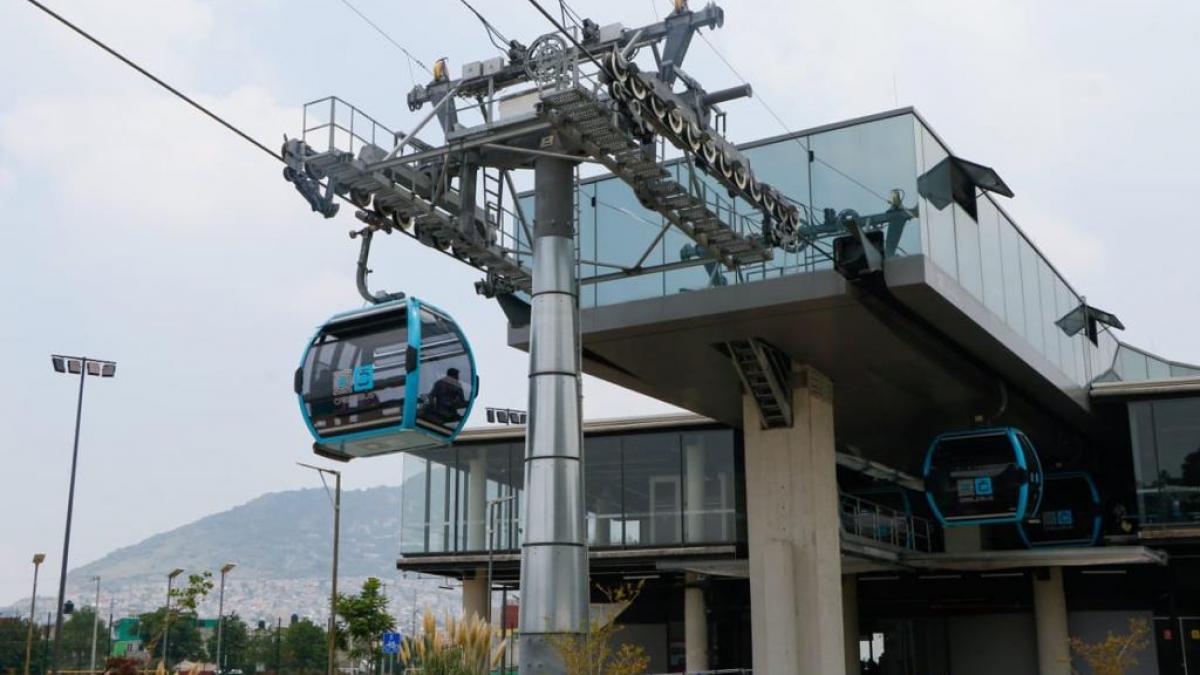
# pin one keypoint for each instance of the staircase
(694, 207)
(766, 374)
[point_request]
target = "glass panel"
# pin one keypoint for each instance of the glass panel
(1065, 302)
(587, 241)
(1158, 369)
(940, 224)
(354, 375)
(624, 231)
(1177, 438)
(990, 259)
(413, 472)
(512, 510)
(445, 374)
(1049, 300)
(1031, 289)
(602, 492)
(473, 497)
(652, 489)
(1131, 364)
(708, 476)
(442, 489)
(1014, 298)
(970, 271)
(857, 167)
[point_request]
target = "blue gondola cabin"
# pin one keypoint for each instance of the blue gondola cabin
(389, 378)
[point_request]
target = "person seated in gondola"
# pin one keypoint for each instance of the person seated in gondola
(446, 400)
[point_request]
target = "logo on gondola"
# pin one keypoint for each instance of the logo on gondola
(364, 377)
(983, 486)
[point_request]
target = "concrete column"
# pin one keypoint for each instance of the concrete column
(477, 503)
(1050, 615)
(850, 623)
(694, 492)
(475, 595)
(795, 546)
(695, 626)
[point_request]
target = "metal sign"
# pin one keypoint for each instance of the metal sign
(391, 643)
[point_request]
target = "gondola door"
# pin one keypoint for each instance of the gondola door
(447, 378)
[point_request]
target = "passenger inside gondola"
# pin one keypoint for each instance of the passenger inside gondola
(446, 402)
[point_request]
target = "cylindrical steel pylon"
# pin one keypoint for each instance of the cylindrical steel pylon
(554, 564)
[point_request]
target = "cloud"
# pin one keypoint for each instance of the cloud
(149, 161)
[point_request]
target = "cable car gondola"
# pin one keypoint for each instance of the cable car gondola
(394, 377)
(1070, 514)
(982, 476)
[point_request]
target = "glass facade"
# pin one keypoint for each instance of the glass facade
(854, 166)
(641, 490)
(1166, 452)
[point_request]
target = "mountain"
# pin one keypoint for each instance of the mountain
(281, 542)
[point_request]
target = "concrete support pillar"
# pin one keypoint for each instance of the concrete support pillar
(1050, 615)
(695, 626)
(475, 595)
(477, 503)
(850, 623)
(795, 546)
(694, 492)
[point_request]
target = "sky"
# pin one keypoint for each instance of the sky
(132, 228)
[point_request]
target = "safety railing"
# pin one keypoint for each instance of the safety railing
(331, 123)
(885, 525)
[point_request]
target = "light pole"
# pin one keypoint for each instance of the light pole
(221, 614)
(38, 558)
(74, 365)
(337, 523)
(95, 623)
(493, 507)
(167, 619)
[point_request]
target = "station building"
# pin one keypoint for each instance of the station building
(785, 525)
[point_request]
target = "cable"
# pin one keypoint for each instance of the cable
(783, 124)
(243, 135)
(492, 31)
(411, 59)
(190, 101)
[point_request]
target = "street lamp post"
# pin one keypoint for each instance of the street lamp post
(95, 624)
(221, 614)
(337, 523)
(493, 507)
(38, 558)
(74, 365)
(167, 619)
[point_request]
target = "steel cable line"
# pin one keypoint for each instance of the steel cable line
(784, 125)
(154, 78)
(493, 32)
(190, 101)
(411, 59)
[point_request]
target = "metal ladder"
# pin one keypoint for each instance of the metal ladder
(581, 115)
(766, 374)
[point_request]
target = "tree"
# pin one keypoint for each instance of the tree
(594, 653)
(260, 649)
(235, 642)
(12, 645)
(185, 643)
(76, 644)
(366, 620)
(1115, 654)
(305, 649)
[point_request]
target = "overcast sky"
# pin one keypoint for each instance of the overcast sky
(134, 229)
